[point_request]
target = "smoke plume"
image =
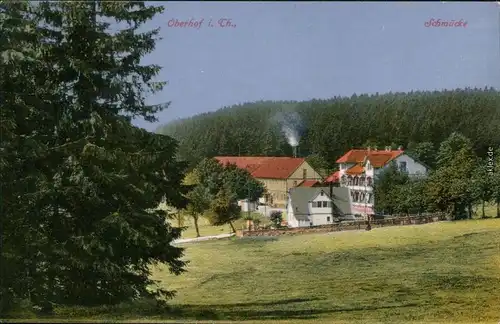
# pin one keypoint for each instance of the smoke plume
(291, 126)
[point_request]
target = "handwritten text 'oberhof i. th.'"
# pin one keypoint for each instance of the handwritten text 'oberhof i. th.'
(199, 23)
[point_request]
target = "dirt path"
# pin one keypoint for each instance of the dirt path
(203, 238)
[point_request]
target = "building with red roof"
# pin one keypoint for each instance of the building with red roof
(359, 167)
(278, 174)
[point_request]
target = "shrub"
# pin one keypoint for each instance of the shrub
(276, 218)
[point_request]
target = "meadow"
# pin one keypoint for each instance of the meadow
(444, 272)
(208, 230)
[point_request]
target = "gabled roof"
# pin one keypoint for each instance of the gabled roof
(377, 158)
(264, 167)
(301, 196)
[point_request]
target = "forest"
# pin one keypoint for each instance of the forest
(331, 127)
(455, 133)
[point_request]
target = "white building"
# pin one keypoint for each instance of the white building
(313, 206)
(247, 205)
(358, 170)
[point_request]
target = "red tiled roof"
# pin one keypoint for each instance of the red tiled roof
(376, 158)
(264, 167)
(243, 162)
(357, 169)
(334, 177)
(308, 183)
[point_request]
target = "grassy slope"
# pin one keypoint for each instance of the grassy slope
(208, 230)
(205, 228)
(444, 272)
(441, 272)
(490, 210)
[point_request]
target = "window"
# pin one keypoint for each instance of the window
(295, 183)
(369, 166)
(328, 219)
(304, 174)
(320, 204)
(322, 193)
(402, 166)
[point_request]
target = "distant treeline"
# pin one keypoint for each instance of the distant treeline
(333, 126)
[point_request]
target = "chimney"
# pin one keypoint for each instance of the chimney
(400, 148)
(388, 148)
(369, 148)
(294, 151)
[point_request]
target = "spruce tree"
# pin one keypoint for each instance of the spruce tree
(91, 181)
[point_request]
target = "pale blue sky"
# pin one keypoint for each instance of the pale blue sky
(300, 51)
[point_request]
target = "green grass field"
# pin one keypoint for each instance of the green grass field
(444, 272)
(208, 230)
(490, 210)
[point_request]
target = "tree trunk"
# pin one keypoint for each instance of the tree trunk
(498, 207)
(179, 219)
(195, 218)
(483, 213)
(469, 211)
(456, 212)
(232, 227)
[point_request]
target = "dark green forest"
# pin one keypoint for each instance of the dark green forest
(331, 127)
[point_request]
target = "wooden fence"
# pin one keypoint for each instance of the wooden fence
(347, 226)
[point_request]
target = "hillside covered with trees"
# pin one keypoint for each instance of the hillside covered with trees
(331, 127)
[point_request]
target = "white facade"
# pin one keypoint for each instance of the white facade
(320, 209)
(247, 205)
(319, 212)
(291, 219)
(412, 166)
(361, 185)
(361, 188)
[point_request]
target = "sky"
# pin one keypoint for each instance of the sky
(305, 50)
